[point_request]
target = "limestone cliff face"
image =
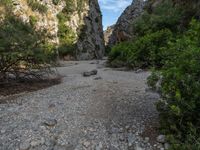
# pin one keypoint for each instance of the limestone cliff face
(82, 17)
(123, 28)
(42, 21)
(107, 34)
(90, 44)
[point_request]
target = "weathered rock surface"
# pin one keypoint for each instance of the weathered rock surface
(107, 33)
(123, 28)
(85, 24)
(91, 45)
(90, 73)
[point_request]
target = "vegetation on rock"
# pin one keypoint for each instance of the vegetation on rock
(36, 6)
(66, 34)
(23, 51)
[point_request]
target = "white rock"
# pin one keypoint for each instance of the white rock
(161, 139)
(146, 140)
(137, 147)
(99, 146)
(24, 145)
(166, 146)
(86, 144)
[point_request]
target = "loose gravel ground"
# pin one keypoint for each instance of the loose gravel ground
(112, 110)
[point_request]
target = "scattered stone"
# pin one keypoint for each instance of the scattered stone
(112, 147)
(121, 138)
(90, 73)
(52, 106)
(61, 147)
(24, 146)
(159, 146)
(131, 139)
(166, 146)
(161, 139)
(99, 146)
(98, 78)
(139, 71)
(35, 143)
(137, 147)
(95, 62)
(146, 139)
(50, 122)
(3, 131)
(86, 144)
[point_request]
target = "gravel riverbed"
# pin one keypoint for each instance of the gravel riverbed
(112, 110)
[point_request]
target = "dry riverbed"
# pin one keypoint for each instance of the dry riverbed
(112, 110)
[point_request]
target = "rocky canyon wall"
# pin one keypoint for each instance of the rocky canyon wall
(67, 23)
(122, 30)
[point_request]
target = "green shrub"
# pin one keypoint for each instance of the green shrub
(33, 20)
(163, 16)
(22, 50)
(119, 54)
(55, 2)
(145, 52)
(36, 6)
(179, 107)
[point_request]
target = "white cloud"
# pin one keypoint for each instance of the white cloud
(114, 5)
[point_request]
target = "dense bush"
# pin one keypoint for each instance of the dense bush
(180, 106)
(23, 51)
(55, 2)
(163, 16)
(145, 52)
(118, 56)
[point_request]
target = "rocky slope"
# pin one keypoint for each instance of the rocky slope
(91, 45)
(123, 28)
(44, 15)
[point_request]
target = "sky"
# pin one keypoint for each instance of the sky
(112, 9)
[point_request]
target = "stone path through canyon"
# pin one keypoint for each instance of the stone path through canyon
(110, 111)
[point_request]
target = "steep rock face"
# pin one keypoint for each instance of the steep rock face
(82, 18)
(90, 44)
(107, 33)
(42, 21)
(123, 28)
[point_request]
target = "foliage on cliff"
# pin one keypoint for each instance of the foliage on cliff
(23, 51)
(66, 35)
(167, 39)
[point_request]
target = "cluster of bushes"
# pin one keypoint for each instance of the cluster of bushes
(168, 43)
(180, 106)
(24, 52)
(36, 6)
(142, 53)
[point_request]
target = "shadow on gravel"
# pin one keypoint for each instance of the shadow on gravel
(17, 87)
